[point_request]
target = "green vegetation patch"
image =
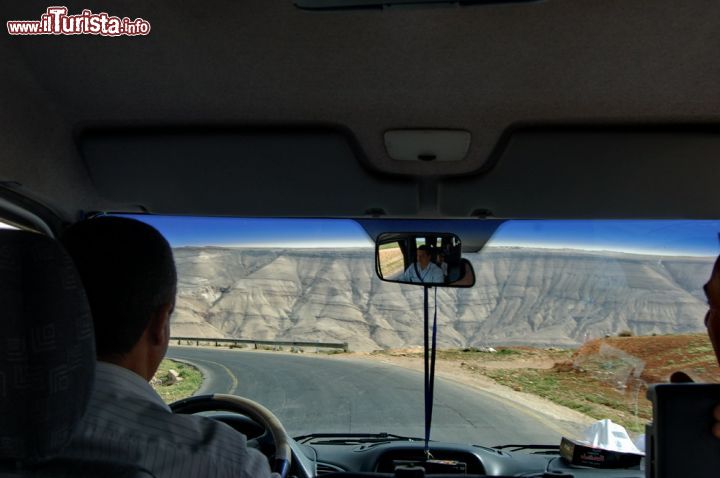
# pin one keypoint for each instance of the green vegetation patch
(580, 391)
(190, 383)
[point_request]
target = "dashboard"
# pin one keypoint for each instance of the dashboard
(338, 455)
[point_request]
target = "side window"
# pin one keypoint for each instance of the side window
(392, 263)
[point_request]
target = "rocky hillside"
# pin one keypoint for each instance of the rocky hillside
(522, 296)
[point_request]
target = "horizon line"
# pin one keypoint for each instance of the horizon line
(488, 246)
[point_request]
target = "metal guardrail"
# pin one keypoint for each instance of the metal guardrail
(217, 342)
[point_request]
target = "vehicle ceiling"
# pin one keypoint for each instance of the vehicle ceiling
(257, 108)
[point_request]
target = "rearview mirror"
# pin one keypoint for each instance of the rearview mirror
(427, 258)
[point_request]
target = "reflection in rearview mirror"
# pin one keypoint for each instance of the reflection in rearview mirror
(423, 259)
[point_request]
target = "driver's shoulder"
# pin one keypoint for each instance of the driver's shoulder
(207, 432)
(160, 439)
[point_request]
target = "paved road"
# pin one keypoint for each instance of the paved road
(312, 394)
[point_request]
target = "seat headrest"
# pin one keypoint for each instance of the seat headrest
(47, 348)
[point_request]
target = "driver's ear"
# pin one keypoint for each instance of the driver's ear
(160, 325)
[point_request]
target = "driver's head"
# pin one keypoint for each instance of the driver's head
(129, 275)
(423, 255)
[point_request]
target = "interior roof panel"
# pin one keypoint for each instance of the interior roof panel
(596, 172)
(482, 69)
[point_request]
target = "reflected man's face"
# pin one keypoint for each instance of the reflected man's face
(423, 258)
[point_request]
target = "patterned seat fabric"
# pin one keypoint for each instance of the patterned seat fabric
(47, 350)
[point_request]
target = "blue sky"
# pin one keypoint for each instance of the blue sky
(241, 232)
(663, 237)
(677, 237)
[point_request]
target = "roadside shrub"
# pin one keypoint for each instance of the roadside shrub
(625, 333)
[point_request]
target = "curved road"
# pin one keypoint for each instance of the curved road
(312, 394)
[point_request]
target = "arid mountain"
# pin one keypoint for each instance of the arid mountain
(522, 296)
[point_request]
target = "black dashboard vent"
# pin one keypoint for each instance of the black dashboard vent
(324, 468)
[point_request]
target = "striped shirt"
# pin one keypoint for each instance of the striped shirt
(128, 422)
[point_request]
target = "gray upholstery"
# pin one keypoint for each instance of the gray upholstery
(47, 351)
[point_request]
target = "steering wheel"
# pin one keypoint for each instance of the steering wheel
(249, 408)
